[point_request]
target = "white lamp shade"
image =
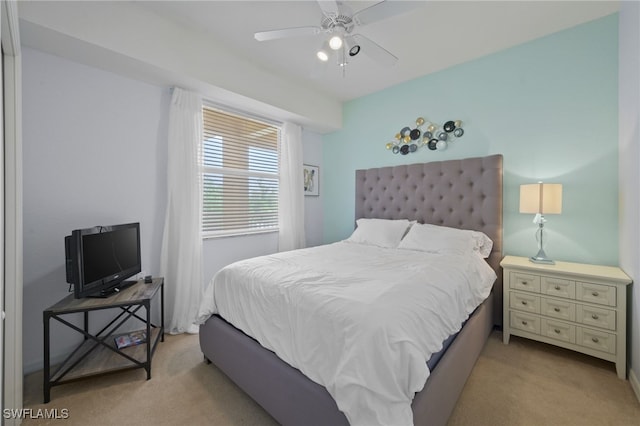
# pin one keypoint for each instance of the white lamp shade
(543, 198)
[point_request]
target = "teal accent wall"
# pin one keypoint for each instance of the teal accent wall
(549, 106)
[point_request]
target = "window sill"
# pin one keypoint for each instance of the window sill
(238, 233)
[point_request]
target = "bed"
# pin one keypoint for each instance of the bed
(463, 194)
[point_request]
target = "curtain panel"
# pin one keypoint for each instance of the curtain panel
(291, 190)
(181, 256)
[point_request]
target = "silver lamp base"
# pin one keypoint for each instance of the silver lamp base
(541, 257)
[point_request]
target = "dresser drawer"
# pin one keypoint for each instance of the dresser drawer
(524, 302)
(558, 330)
(525, 322)
(558, 309)
(596, 293)
(558, 287)
(598, 340)
(520, 281)
(596, 317)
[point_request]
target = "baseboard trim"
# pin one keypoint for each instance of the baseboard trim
(635, 384)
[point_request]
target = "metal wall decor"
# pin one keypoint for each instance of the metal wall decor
(408, 140)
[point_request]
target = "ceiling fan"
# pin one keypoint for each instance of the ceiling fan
(338, 22)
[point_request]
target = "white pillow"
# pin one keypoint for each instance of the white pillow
(483, 245)
(442, 239)
(379, 232)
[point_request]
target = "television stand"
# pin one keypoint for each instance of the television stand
(98, 354)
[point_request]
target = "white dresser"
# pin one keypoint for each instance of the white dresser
(576, 306)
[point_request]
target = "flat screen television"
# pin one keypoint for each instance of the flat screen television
(100, 259)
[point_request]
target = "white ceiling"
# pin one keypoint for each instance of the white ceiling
(433, 36)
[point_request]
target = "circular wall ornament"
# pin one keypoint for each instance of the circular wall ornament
(409, 140)
(449, 126)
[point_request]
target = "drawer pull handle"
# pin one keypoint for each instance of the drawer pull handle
(557, 330)
(556, 309)
(595, 339)
(557, 287)
(595, 317)
(524, 323)
(595, 294)
(524, 302)
(525, 282)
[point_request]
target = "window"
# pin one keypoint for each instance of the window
(240, 174)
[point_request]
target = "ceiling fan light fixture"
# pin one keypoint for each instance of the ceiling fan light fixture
(322, 55)
(323, 52)
(335, 42)
(337, 25)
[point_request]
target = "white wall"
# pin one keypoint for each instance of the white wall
(313, 219)
(109, 35)
(629, 175)
(94, 154)
(95, 148)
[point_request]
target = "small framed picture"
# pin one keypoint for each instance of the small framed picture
(311, 180)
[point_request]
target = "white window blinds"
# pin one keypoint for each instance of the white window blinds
(240, 174)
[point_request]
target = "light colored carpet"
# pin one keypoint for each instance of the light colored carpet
(532, 383)
(523, 383)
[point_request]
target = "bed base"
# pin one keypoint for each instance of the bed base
(293, 399)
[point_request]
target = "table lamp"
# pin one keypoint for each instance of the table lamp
(540, 199)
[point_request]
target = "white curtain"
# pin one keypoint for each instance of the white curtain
(181, 257)
(291, 190)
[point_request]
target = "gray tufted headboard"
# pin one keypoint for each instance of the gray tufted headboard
(463, 193)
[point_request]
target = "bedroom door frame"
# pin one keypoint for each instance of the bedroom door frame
(11, 342)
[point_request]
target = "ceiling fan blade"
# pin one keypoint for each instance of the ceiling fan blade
(329, 8)
(287, 32)
(374, 50)
(384, 10)
(319, 70)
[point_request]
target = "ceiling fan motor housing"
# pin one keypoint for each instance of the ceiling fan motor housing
(343, 22)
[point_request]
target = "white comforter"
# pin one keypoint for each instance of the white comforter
(360, 320)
